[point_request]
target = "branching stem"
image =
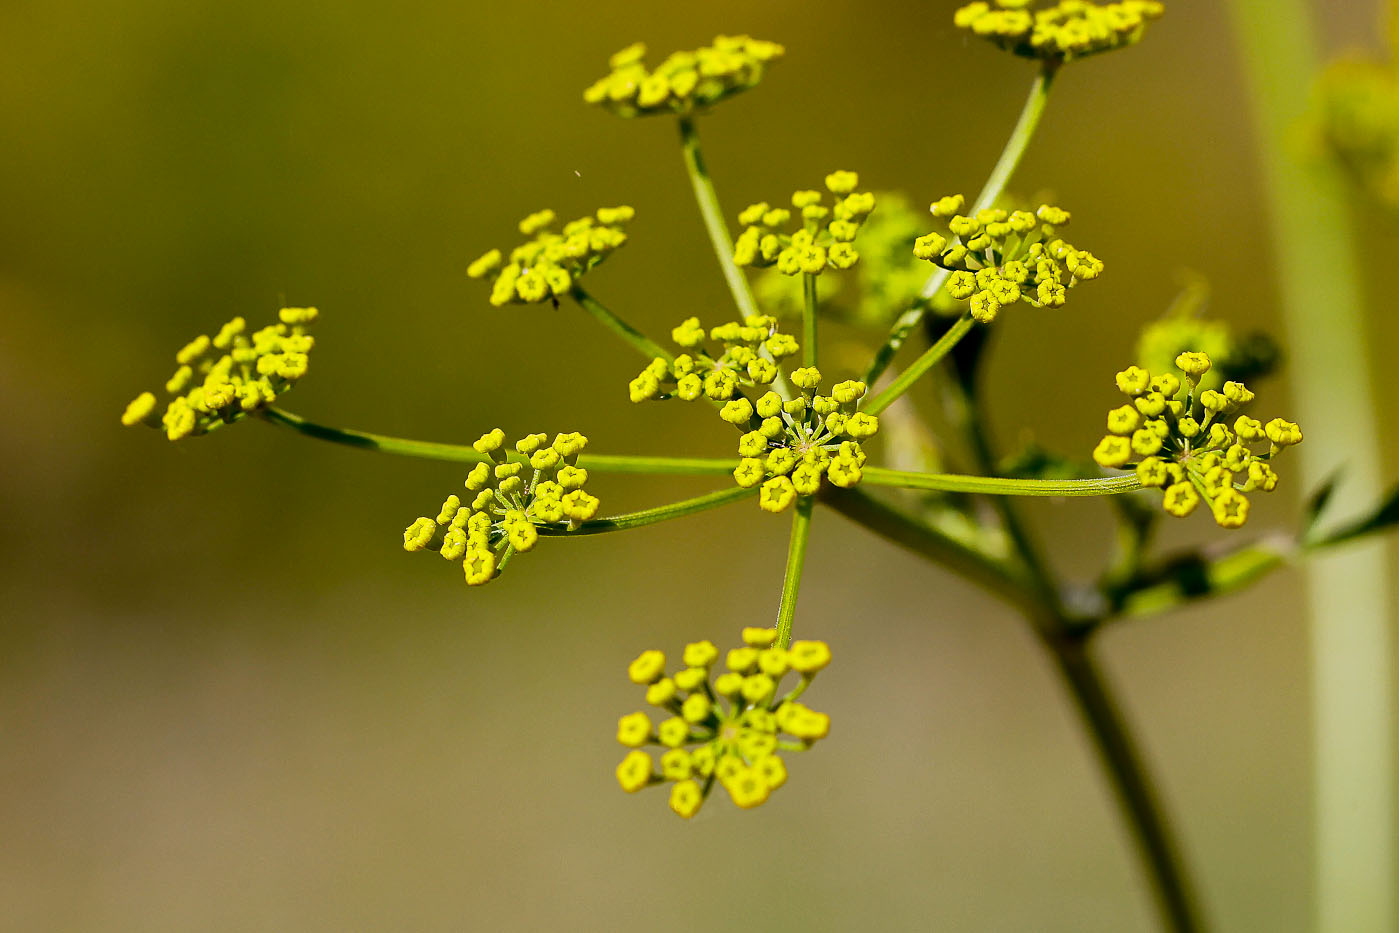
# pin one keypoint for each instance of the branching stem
(630, 335)
(661, 513)
(713, 216)
(996, 182)
(930, 358)
(796, 560)
(465, 453)
(999, 486)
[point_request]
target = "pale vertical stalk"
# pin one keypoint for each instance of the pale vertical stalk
(1315, 252)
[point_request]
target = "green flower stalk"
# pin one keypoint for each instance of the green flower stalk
(726, 732)
(225, 378)
(686, 81)
(508, 500)
(1179, 439)
(998, 257)
(549, 263)
(1059, 32)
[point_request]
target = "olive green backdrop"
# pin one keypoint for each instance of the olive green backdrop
(229, 701)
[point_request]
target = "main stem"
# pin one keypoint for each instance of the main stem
(1129, 778)
(1066, 639)
(713, 216)
(995, 185)
(1316, 257)
(796, 560)
(1066, 642)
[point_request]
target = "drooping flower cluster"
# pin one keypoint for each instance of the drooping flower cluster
(225, 378)
(507, 498)
(1180, 440)
(791, 447)
(685, 81)
(1059, 32)
(825, 238)
(997, 257)
(546, 266)
(746, 357)
(730, 732)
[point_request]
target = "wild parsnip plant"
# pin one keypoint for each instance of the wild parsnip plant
(1182, 439)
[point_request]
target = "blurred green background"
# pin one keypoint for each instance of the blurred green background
(229, 701)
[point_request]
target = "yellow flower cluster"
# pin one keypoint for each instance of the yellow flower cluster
(881, 285)
(997, 257)
(791, 447)
(546, 266)
(1179, 439)
(1059, 32)
(685, 81)
(729, 732)
(225, 378)
(746, 357)
(507, 498)
(826, 236)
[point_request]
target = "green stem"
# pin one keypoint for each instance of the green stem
(464, 453)
(1350, 619)
(651, 516)
(714, 218)
(1066, 639)
(927, 361)
(796, 560)
(630, 335)
(1129, 779)
(1000, 486)
(996, 182)
(808, 320)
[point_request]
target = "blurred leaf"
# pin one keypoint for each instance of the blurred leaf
(1317, 502)
(1385, 516)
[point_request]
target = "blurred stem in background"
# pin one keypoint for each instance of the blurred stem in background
(1315, 253)
(1067, 638)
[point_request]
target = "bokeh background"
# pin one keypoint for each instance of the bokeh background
(229, 701)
